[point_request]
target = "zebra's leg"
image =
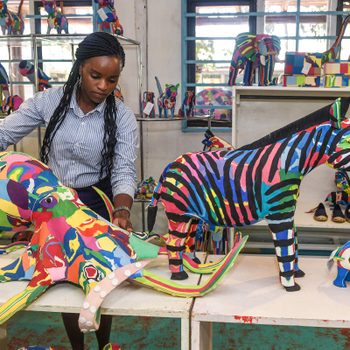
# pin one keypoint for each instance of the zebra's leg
(285, 253)
(190, 241)
(297, 271)
(175, 244)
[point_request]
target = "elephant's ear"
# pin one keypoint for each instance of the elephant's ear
(338, 111)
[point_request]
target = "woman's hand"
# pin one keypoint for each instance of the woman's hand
(121, 218)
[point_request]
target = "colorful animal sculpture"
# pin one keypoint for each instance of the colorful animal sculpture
(188, 103)
(341, 256)
(27, 69)
(167, 99)
(55, 19)
(258, 181)
(11, 103)
(107, 19)
(73, 244)
(10, 22)
(254, 52)
(148, 97)
(212, 142)
(310, 64)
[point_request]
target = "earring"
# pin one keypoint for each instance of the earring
(79, 82)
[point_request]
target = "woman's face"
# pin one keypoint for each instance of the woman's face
(99, 78)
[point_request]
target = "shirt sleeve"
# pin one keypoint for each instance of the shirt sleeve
(124, 177)
(21, 122)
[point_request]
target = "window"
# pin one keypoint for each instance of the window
(210, 28)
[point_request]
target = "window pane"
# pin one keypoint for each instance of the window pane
(280, 5)
(314, 5)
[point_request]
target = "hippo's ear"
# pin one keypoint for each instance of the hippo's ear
(338, 111)
(17, 194)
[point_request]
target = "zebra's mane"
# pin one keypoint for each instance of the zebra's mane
(315, 118)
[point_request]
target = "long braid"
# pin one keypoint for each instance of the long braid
(95, 44)
(60, 112)
(109, 137)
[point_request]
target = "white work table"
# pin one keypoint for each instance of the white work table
(251, 293)
(126, 300)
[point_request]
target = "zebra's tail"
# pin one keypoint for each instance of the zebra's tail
(153, 206)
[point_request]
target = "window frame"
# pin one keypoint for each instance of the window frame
(188, 69)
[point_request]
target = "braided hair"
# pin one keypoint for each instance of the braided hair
(95, 44)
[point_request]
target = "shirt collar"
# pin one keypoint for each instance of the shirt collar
(74, 105)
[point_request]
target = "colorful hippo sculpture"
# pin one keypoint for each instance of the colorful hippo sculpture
(72, 243)
(341, 257)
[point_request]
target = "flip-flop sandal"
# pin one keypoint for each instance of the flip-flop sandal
(320, 213)
(337, 215)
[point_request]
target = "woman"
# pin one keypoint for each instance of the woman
(91, 139)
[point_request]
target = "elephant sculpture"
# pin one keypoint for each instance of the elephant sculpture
(341, 256)
(10, 22)
(71, 243)
(254, 52)
(188, 103)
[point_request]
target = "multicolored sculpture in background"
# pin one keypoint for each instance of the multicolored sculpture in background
(212, 142)
(55, 19)
(306, 67)
(8, 103)
(145, 188)
(167, 99)
(254, 52)
(188, 103)
(341, 256)
(10, 22)
(27, 69)
(210, 97)
(107, 19)
(254, 182)
(71, 243)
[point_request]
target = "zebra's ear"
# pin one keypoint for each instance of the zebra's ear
(338, 111)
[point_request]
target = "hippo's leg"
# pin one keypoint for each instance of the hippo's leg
(341, 277)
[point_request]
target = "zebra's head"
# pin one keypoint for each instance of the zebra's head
(339, 158)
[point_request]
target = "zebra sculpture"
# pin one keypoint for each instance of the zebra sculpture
(257, 181)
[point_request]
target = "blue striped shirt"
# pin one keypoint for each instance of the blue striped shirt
(76, 149)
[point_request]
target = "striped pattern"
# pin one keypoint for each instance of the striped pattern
(76, 150)
(241, 187)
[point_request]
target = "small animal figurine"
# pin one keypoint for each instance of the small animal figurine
(10, 22)
(187, 107)
(167, 99)
(26, 68)
(55, 19)
(107, 19)
(341, 256)
(212, 142)
(11, 103)
(148, 97)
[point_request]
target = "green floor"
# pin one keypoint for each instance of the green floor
(150, 334)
